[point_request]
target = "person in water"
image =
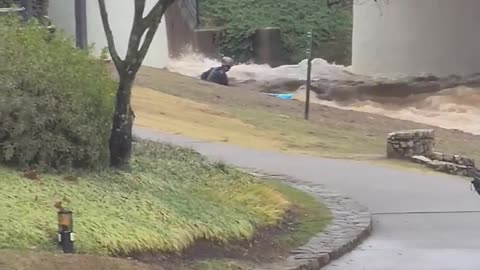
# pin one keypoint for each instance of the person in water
(219, 74)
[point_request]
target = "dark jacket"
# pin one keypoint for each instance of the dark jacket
(216, 75)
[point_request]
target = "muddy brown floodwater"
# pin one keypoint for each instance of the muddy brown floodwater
(450, 103)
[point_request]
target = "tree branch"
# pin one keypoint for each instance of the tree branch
(109, 35)
(159, 8)
(139, 8)
(344, 3)
(136, 33)
(120, 143)
(146, 45)
(153, 20)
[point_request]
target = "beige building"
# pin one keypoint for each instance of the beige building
(62, 14)
(440, 37)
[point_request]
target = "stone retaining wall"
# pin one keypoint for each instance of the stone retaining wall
(451, 164)
(456, 159)
(419, 146)
(409, 143)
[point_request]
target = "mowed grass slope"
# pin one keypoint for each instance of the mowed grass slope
(168, 113)
(279, 124)
(170, 198)
(249, 127)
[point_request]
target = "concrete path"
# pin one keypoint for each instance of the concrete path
(421, 222)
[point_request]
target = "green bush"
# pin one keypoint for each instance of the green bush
(331, 26)
(8, 3)
(56, 102)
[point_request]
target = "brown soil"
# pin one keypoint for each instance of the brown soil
(262, 248)
(34, 260)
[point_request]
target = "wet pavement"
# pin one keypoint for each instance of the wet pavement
(421, 221)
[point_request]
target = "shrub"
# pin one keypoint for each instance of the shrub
(56, 102)
(8, 3)
(331, 26)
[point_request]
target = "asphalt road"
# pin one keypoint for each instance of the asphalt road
(421, 221)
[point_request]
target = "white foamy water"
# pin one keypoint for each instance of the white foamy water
(455, 108)
(193, 65)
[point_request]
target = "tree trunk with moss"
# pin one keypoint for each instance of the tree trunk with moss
(121, 135)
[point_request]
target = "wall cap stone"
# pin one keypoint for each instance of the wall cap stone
(412, 134)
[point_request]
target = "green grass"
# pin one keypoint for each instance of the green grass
(170, 198)
(279, 125)
(332, 27)
(313, 218)
(306, 137)
(271, 127)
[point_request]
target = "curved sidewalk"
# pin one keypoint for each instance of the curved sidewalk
(421, 221)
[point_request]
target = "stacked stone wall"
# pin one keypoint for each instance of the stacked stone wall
(419, 146)
(409, 143)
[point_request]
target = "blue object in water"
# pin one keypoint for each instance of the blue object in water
(281, 96)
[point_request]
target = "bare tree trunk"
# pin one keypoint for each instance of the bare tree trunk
(121, 135)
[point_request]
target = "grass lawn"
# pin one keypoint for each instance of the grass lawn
(168, 113)
(248, 127)
(263, 122)
(312, 217)
(170, 198)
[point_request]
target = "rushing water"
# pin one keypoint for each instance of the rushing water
(454, 108)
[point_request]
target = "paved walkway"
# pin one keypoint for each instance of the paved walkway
(421, 222)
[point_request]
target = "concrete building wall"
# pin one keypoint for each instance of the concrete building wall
(181, 21)
(440, 37)
(121, 17)
(62, 14)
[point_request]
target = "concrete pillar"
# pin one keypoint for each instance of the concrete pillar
(410, 37)
(205, 41)
(268, 46)
(62, 14)
(81, 23)
(181, 20)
